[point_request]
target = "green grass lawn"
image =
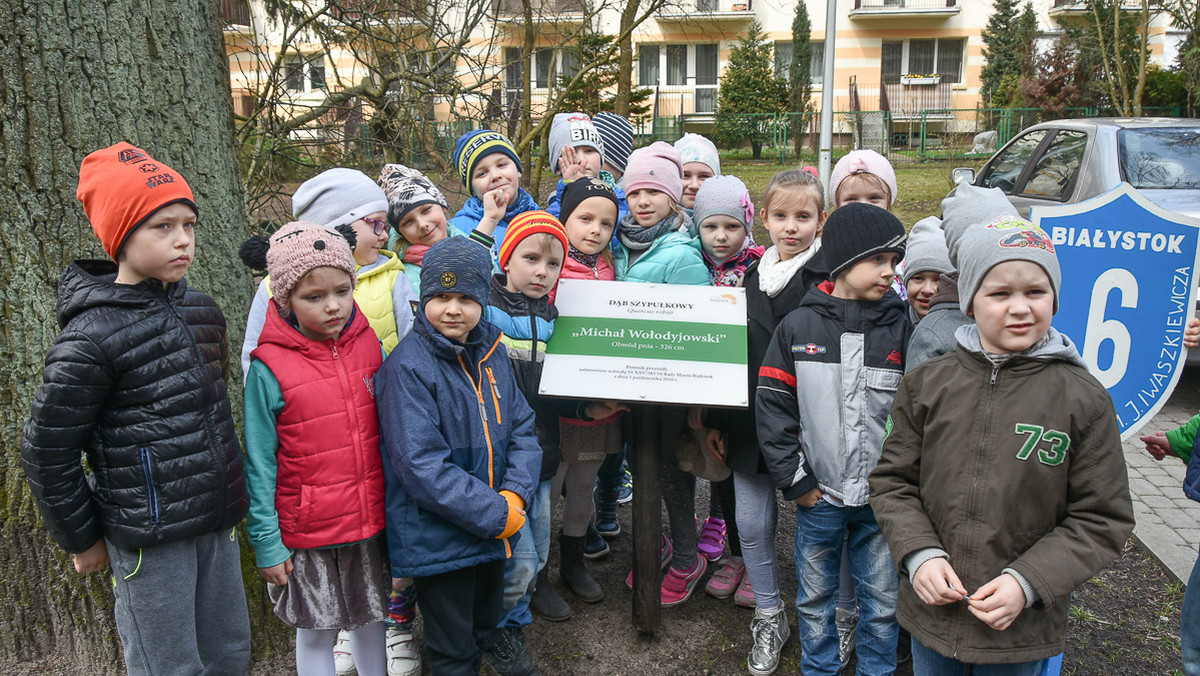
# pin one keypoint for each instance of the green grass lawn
(921, 187)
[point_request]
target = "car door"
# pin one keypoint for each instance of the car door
(1040, 167)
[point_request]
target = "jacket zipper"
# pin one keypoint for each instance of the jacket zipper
(151, 491)
(347, 396)
(487, 433)
(495, 395)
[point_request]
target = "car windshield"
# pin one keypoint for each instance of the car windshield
(1161, 158)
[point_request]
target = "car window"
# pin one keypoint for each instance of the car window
(1162, 158)
(1004, 171)
(1054, 173)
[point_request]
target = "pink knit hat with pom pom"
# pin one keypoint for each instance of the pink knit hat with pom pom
(863, 162)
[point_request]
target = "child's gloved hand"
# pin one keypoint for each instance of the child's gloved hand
(1191, 335)
(998, 602)
(278, 574)
(516, 515)
(937, 584)
(1157, 445)
(93, 560)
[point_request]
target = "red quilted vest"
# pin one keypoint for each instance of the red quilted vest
(329, 484)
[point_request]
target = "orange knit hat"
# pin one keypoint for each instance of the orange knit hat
(528, 223)
(121, 186)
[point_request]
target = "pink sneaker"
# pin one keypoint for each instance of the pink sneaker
(668, 550)
(712, 539)
(677, 585)
(744, 596)
(725, 581)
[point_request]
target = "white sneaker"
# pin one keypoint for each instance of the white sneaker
(343, 661)
(403, 657)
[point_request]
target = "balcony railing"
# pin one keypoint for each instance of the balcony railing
(235, 12)
(903, 4)
(379, 10)
(541, 8)
(706, 9)
(1127, 5)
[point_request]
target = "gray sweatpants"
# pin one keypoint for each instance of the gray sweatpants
(181, 607)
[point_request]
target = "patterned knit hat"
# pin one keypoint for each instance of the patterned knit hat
(617, 135)
(476, 145)
(578, 190)
(572, 129)
(336, 197)
(530, 223)
(121, 186)
(724, 195)
(983, 246)
(456, 265)
(299, 247)
(697, 148)
(857, 231)
(406, 189)
(657, 167)
(926, 249)
(863, 162)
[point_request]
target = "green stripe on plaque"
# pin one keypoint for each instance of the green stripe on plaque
(648, 339)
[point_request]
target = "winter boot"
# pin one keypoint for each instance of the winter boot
(606, 513)
(546, 602)
(573, 570)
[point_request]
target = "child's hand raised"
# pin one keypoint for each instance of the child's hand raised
(570, 164)
(277, 574)
(1157, 445)
(937, 584)
(494, 204)
(695, 417)
(998, 602)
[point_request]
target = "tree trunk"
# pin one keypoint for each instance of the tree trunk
(80, 75)
(621, 103)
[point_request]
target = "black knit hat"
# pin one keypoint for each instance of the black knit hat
(578, 190)
(456, 265)
(856, 231)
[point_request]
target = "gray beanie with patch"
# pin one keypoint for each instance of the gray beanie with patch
(724, 195)
(983, 230)
(572, 129)
(927, 250)
(456, 265)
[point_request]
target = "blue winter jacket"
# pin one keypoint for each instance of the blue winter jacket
(456, 431)
(1191, 478)
(468, 217)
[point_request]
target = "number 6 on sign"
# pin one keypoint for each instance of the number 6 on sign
(1100, 329)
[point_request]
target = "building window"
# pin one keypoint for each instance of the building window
(304, 73)
(816, 65)
(676, 64)
(543, 62)
(922, 57)
(648, 65)
(816, 68)
(783, 58)
(512, 67)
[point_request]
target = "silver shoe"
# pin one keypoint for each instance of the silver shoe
(770, 633)
(846, 621)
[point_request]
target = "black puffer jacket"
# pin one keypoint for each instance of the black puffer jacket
(136, 380)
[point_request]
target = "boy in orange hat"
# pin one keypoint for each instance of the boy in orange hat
(136, 382)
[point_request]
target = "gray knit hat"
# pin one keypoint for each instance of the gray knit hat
(406, 189)
(927, 250)
(983, 229)
(724, 195)
(983, 246)
(456, 265)
(337, 197)
(857, 231)
(572, 129)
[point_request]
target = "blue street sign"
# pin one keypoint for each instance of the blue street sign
(1128, 290)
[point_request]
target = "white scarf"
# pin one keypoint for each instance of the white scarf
(774, 274)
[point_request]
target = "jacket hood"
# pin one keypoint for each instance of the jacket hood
(515, 303)
(279, 331)
(947, 291)
(858, 315)
(481, 338)
(386, 260)
(1054, 346)
(91, 283)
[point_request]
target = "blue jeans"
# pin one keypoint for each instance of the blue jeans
(929, 662)
(528, 557)
(820, 534)
(1189, 624)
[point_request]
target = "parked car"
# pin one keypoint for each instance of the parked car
(1068, 161)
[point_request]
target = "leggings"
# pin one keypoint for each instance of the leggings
(678, 490)
(314, 650)
(578, 478)
(758, 515)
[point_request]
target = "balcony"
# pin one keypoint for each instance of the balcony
(728, 12)
(904, 9)
(1070, 9)
(393, 11)
(544, 11)
(235, 14)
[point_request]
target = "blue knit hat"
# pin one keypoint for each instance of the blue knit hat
(456, 265)
(476, 145)
(617, 134)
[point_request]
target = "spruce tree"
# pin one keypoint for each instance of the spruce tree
(1000, 47)
(800, 72)
(748, 90)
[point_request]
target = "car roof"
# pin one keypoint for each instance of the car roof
(1117, 122)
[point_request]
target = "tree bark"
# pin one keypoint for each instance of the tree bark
(629, 15)
(79, 75)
